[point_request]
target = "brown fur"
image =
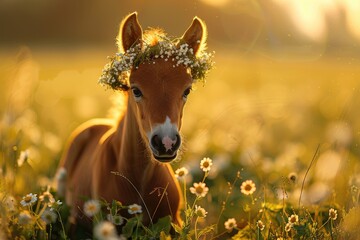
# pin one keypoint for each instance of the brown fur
(101, 146)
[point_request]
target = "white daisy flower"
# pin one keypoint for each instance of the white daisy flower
(230, 224)
(332, 214)
(181, 172)
(248, 187)
(200, 212)
(199, 189)
(206, 164)
(134, 208)
(24, 218)
(91, 207)
(56, 204)
(49, 216)
(288, 227)
(294, 219)
(105, 231)
(47, 197)
(28, 200)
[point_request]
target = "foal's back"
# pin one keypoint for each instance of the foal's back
(80, 156)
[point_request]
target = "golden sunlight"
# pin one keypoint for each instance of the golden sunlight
(216, 3)
(352, 9)
(277, 119)
(311, 18)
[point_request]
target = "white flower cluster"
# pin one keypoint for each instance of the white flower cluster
(116, 73)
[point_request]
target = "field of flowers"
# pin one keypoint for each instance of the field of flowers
(271, 148)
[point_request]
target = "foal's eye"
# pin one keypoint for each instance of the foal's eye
(137, 93)
(186, 93)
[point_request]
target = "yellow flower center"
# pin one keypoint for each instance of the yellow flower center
(105, 232)
(92, 208)
(199, 189)
(28, 198)
(248, 187)
(206, 164)
(181, 173)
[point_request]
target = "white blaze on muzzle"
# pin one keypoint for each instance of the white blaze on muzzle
(164, 139)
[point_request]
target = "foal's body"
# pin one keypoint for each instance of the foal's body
(141, 144)
(101, 146)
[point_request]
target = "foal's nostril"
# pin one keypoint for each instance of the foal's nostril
(156, 142)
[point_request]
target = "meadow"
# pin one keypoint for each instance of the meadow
(289, 125)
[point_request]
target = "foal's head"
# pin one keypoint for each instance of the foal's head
(159, 79)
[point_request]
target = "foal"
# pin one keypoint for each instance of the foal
(156, 75)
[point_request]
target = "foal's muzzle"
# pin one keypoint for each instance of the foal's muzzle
(165, 147)
(164, 141)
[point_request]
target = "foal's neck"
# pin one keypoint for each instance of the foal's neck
(133, 158)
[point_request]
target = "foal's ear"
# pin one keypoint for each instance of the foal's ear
(196, 35)
(130, 32)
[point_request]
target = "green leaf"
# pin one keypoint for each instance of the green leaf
(113, 208)
(302, 230)
(177, 228)
(245, 233)
(273, 207)
(128, 229)
(189, 212)
(162, 225)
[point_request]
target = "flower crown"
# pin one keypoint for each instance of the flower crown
(116, 73)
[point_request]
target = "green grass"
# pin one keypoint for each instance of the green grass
(291, 126)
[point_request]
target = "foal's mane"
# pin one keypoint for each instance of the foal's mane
(118, 105)
(153, 36)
